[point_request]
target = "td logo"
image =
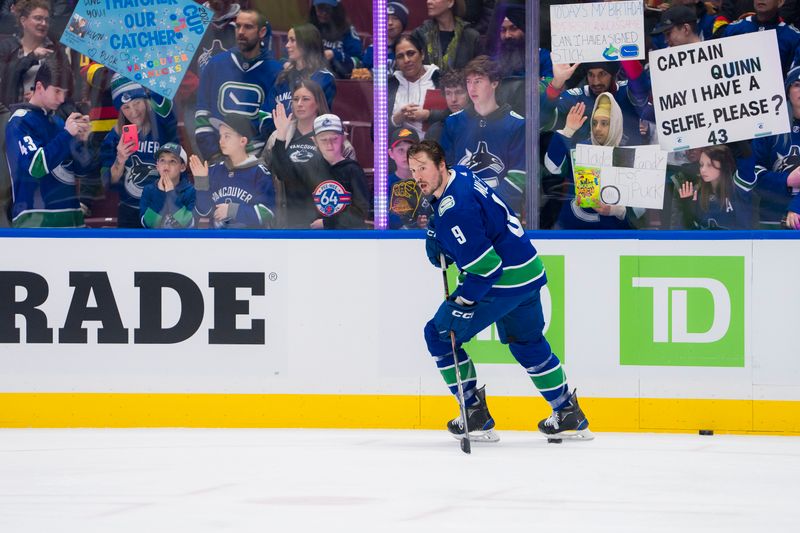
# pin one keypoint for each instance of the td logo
(682, 311)
(485, 347)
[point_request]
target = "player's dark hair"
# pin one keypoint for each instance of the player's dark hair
(433, 150)
(483, 66)
(452, 78)
(316, 91)
(721, 157)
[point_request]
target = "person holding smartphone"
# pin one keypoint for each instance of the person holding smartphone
(128, 152)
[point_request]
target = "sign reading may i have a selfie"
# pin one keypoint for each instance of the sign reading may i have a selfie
(719, 91)
(151, 42)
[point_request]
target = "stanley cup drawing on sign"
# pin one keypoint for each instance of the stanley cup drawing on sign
(151, 42)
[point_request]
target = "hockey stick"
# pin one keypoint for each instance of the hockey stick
(465, 445)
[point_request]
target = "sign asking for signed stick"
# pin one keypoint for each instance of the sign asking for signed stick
(150, 42)
(632, 176)
(719, 91)
(600, 31)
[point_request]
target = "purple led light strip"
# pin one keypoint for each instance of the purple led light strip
(381, 132)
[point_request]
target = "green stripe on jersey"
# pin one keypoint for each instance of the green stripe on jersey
(42, 218)
(552, 379)
(517, 276)
(485, 264)
(466, 369)
(38, 168)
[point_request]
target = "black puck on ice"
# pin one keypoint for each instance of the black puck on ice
(706, 431)
(554, 441)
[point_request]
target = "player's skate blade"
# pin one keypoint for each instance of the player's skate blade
(581, 434)
(480, 436)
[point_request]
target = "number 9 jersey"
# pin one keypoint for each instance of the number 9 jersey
(477, 229)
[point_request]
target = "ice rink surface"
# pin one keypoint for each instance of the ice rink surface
(272, 480)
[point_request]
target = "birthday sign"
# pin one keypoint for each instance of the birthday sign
(719, 91)
(599, 31)
(151, 42)
(631, 176)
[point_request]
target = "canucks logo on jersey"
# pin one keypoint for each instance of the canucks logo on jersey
(484, 164)
(240, 98)
(790, 161)
(138, 175)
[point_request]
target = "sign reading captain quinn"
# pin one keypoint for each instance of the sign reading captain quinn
(149, 41)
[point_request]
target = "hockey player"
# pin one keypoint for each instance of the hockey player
(45, 154)
(169, 202)
(501, 276)
(488, 139)
(235, 82)
(236, 192)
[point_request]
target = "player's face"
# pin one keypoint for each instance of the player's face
(437, 7)
(135, 111)
(428, 176)
(399, 154)
(480, 89)
(329, 144)
(599, 80)
(409, 60)
(230, 141)
(393, 27)
(170, 166)
(36, 24)
(509, 32)
(456, 98)
(709, 170)
(600, 127)
(248, 35)
(52, 97)
(304, 106)
(292, 49)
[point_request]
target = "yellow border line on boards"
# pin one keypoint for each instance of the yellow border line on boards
(59, 410)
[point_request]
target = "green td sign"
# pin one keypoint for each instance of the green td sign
(682, 311)
(485, 347)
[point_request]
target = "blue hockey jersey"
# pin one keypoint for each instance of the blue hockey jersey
(486, 240)
(346, 51)
(44, 159)
(247, 189)
(788, 36)
(140, 168)
(168, 209)
(775, 158)
(492, 147)
(232, 84)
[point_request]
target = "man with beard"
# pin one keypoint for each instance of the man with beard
(235, 82)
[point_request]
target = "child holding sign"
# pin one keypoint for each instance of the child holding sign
(606, 130)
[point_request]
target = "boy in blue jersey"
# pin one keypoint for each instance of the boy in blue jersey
(168, 202)
(236, 192)
(45, 154)
(501, 276)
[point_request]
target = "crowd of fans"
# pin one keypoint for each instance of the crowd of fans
(249, 141)
(457, 74)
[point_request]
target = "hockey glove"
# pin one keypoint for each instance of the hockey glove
(454, 317)
(433, 249)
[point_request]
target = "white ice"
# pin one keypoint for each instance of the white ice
(199, 480)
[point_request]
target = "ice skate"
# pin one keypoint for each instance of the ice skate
(480, 422)
(569, 423)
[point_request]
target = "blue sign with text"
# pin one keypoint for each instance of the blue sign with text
(151, 42)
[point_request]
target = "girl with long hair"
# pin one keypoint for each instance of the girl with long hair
(339, 38)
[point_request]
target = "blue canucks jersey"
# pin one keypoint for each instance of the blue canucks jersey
(486, 240)
(492, 147)
(232, 84)
(247, 189)
(42, 162)
(775, 158)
